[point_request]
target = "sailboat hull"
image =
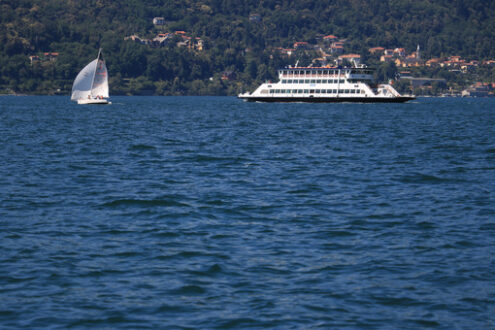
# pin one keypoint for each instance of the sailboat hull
(93, 101)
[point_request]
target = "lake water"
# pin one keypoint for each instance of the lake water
(208, 212)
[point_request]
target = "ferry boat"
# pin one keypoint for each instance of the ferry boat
(325, 84)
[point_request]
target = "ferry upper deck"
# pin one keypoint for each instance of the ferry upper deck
(325, 72)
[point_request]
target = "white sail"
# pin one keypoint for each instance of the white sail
(100, 82)
(92, 82)
(81, 88)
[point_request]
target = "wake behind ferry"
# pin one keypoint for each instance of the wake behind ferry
(325, 84)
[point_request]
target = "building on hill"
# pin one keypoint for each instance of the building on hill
(301, 45)
(45, 57)
(50, 56)
(479, 89)
(434, 62)
(330, 38)
(376, 50)
(199, 44)
(387, 58)
(337, 48)
(161, 39)
(138, 39)
(410, 61)
(400, 52)
(34, 59)
(352, 58)
(159, 21)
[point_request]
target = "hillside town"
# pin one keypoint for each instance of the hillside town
(330, 50)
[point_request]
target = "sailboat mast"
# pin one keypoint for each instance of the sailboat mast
(94, 73)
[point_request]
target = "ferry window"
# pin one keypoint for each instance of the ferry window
(284, 81)
(324, 81)
(277, 91)
(299, 91)
(319, 71)
(335, 91)
(308, 72)
(341, 81)
(329, 91)
(346, 91)
(271, 91)
(264, 91)
(325, 71)
(362, 91)
(291, 72)
(318, 91)
(306, 81)
(301, 81)
(294, 91)
(341, 91)
(318, 81)
(289, 81)
(313, 81)
(306, 91)
(311, 91)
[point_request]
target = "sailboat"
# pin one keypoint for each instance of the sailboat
(91, 84)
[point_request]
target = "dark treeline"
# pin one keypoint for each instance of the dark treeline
(76, 29)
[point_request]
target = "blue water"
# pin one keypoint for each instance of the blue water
(208, 212)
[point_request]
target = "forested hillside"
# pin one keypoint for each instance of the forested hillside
(233, 42)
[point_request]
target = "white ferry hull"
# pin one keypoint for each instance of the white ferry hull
(396, 99)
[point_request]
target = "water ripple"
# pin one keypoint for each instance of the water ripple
(207, 212)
